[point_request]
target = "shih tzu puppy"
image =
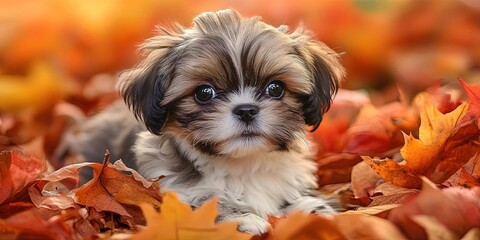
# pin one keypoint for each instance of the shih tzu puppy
(226, 104)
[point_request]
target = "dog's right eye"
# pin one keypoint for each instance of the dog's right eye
(204, 93)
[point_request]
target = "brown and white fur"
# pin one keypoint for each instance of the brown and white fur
(257, 167)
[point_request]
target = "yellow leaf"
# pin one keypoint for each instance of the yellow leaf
(435, 128)
(177, 220)
(442, 148)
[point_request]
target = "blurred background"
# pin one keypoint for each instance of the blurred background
(59, 58)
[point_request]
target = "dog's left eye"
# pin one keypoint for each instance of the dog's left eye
(275, 89)
(204, 93)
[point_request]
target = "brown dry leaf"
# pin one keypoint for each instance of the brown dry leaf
(456, 208)
(177, 220)
(387, 193)
(442, 148)
(17, 171)
(110, 189)
(54, 190)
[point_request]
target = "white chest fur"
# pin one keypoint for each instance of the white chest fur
(261, 182)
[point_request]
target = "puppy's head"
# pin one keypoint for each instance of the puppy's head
(232, 86)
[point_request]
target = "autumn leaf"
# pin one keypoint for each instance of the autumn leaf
(110, 188)
(177, 220)
(456, 208)
(17, 170)
(441, 149)
(300, 226)
(467, 176)
(387, 193)
(473, 94)
(37, 223)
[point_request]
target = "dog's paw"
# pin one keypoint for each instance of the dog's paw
(250, 223)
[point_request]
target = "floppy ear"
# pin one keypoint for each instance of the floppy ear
(326, 73)
(143, 87)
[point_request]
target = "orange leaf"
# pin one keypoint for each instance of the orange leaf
(301, 226)
(442, 148)
(110, 188)
(177, 220)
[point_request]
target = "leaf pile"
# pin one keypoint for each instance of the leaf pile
(403, 159)
(119, 203)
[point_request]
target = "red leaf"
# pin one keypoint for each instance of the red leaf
(473, 94)
(17, 171)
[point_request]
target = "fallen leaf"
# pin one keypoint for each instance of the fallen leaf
(387, 193)
(302, 226)
(473, 94)
(456, 208)
(17, 171)
(371, 133)
(38, 224)
(462, 178)
(110, 188)
(441, 149)
(177, 220)
(336, 167)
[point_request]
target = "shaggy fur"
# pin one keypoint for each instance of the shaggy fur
(204, 149)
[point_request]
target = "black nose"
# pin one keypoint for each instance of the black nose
(246, 112)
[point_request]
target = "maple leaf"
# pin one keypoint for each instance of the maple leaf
(177, 220)
(17, 170)
(441, 149)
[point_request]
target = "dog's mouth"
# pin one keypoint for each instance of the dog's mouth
(250, 133)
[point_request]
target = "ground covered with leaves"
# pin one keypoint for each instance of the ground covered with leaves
(429, 188)
(399, 149)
